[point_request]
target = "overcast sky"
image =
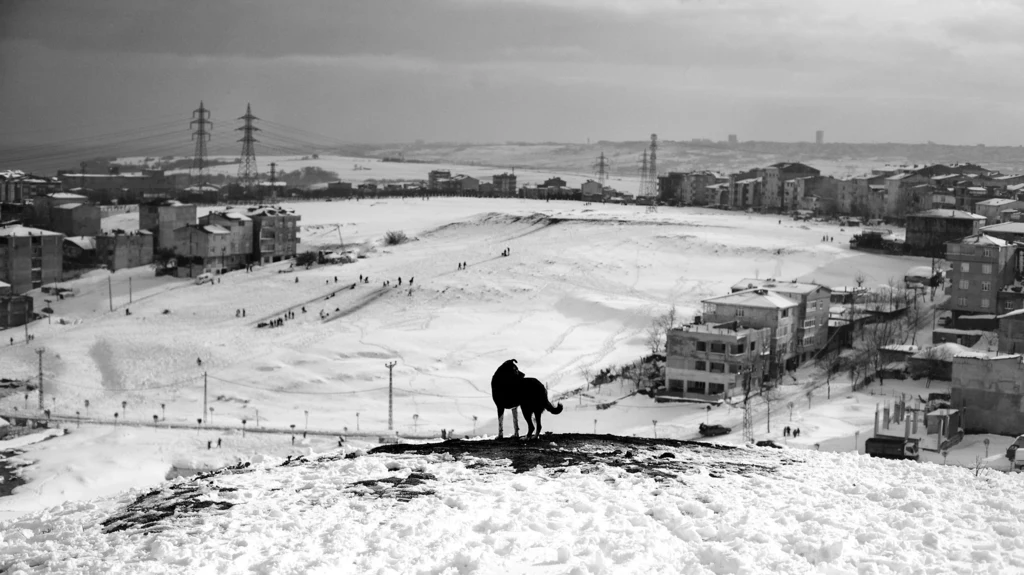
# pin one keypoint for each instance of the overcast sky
(532, 70)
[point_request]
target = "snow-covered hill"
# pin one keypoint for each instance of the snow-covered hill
(563, 504)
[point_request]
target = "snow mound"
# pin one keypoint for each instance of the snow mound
(567, 504)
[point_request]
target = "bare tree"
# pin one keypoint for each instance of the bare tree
(828, 360)
(636, 374)
(873, 338)
(587, 373)
(657, 332)
(771, 395)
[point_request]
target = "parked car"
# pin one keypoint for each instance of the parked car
(768, 443)
(1011, 451)
(893, 447)
(713, 430)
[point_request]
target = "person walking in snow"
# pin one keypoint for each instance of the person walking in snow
(412, 279)
(399, 281)
(296, 280)
(199, 362)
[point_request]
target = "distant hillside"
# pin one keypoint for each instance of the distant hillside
(834, 159)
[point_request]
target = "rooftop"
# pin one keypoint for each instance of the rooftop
(712, 329)
(70, 206)
(66, 196)
(753, 298)
(779, 286)
(269, 211)
(87, 243)
(232, 216)
(981, 239)
(25, 231)
(947, 214)
(1005, 227)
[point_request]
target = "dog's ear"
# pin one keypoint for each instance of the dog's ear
(514, 361)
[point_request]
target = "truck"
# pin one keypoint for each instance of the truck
(893, 447)
(713, 430)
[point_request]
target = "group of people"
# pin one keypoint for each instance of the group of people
(462, 266)
(827, 238)
(505, 253)
(790, 432)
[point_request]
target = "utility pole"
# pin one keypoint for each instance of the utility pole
(129, 290)
(40, 352)
(391, 367)
(204, 398)
(110, 292)
(273, 190)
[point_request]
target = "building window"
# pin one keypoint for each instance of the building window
(738, 349)
(734, 368)
(808, 324)
(785, 313)
(987, 252)
(716, 388)
(717, 347)
(986, 268)
(964, 284)
(961, 302)
(739, 312)
(717, 367)
(702, 346)
(710, 308)
(965, 267)
(986, 286)
(952, 249)
(967, 250)
(984, 302)
(676, 384)
(700, 365)
(1008, 305)
(695, 387)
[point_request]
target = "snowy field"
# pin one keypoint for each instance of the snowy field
(578, 291)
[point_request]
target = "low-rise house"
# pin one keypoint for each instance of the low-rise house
(928, 231)
(712, 362)
(992, 208)
(79, 248)
(120, 250)
(1011, 332)
(988, 388)
(1009, 231)
(30, 257)
(15, 310)
(760, 308)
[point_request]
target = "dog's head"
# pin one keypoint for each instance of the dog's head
(508, 370)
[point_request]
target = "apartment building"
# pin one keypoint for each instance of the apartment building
(982, 266)
(208, 242)
(759, 308)
(438, 179)
(42, 207)
(811, 321)
(746, 193)
(775, 177)
(17, 187)
(163, 217)
(240, 241)
(30, 257)
(505, 184)
(928, 231)
(993, 208)
(124, 250)
(712, 362)
(76, 219)
(275, 233)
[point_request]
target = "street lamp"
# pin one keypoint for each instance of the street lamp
(211, 415)
(307, 421)
(415, 422)
(655, 422)
(357, 421)
(474, 425)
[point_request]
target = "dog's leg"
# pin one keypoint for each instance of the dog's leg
(501, 422)
(539, 413)
(515, 420)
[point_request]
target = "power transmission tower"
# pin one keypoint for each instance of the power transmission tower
(649, 169)
(247, 174)
(601, 168)
(644, 175)
(201, 121)
(391, 367)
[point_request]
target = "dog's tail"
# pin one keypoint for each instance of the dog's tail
(556, 409)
